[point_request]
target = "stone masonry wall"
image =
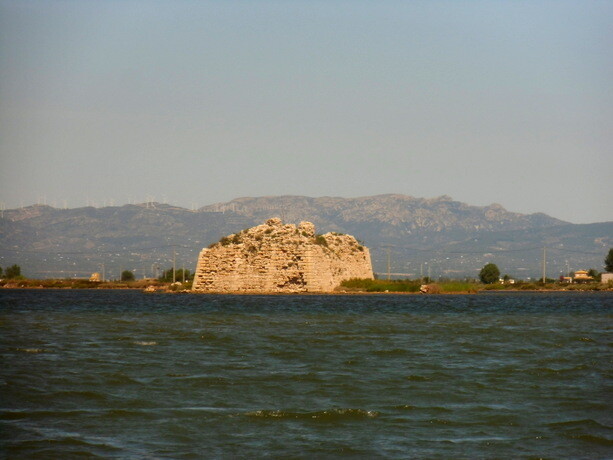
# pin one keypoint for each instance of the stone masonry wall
(278, 258)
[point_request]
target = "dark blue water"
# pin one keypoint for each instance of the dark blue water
(122, 374)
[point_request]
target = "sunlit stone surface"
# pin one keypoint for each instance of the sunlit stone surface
(281, 258)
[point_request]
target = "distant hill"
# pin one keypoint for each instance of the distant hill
(388, 217)
(436, 236)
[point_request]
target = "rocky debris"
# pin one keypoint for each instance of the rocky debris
(280, 258)
(430, 289)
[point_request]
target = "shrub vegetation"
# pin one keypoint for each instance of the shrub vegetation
(13, 272)
(369, 285)
(489, 274)
(127, 275)
(608, 261)
(321, 240)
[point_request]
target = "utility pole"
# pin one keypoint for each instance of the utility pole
(544, 265)
(174, 264)
(388, 264)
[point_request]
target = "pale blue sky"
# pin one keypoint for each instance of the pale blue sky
(196, 102)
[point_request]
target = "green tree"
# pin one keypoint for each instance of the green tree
(489, 274)
(14, 271)
(608, 261)
(127, 275)
(594, 274)
(167, 275)
(0, 272)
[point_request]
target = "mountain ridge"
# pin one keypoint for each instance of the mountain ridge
(400, 208)
(417, 232)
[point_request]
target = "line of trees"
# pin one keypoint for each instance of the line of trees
(608, 261)
(180, 274)
(12, 272)
(491, 274)
(166, 277)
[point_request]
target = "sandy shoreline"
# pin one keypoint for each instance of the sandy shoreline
(163, 290)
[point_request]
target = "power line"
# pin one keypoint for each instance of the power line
(96, 252)
(486, 251)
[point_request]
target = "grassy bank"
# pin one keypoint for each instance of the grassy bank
(448, 287)
(370, 285)
(352, 285)
(24, 283)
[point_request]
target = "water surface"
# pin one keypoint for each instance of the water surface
(122, 374)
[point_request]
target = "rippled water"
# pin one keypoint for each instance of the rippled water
(128, 375)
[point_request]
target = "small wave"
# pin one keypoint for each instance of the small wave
(474, 352)
(125, 321)
(422, 408)
(286, 354)
(407, 407)
(32, 350)
(480, 439)
(523, 351)
(145, 343)
(208, 336)
(123, 413)
(119, 379)
(588, 422)
(63, 443)
(17, 414)
(393, 352)
(418, 378)
(122, 338)
(594, 439)
(308, 377)
(552, 371)
(432, 376)
(76, 445)
(439, 421)
(200, 379)
(330, 414)
(85, 394)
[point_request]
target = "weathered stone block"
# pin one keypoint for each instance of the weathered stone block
(278, 258)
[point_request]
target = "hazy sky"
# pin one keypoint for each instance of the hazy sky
(196, 102)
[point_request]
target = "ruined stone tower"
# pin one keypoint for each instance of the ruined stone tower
(278, 258)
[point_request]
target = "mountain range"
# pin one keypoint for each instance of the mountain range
(407, 236)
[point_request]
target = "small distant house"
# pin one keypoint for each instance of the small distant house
(95, 277)
(606, 277)
(581, 276)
